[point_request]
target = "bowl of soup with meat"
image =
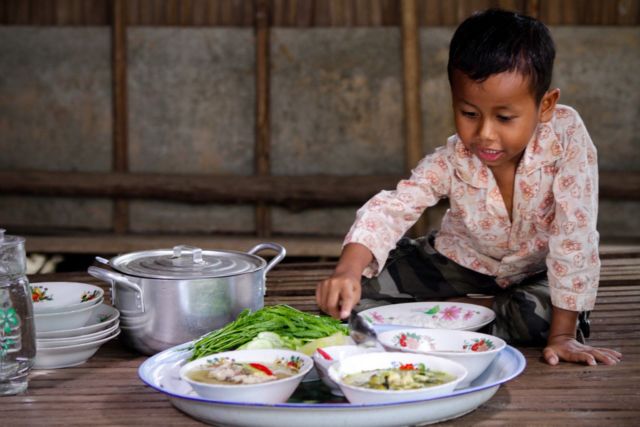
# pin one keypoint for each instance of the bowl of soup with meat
(386, 377)
(249, 376)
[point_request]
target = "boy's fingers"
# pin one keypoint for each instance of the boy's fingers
(611, 353)
(604, 356)
(331, 301)
(550, 356)
(581, 356)
(320, 291)
(346, 302)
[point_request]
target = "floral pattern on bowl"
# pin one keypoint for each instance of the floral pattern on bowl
(443, 315)
(89, 295)
(40, 293)
(478, 345)
(411, 340)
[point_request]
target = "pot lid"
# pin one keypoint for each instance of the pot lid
(186, 262)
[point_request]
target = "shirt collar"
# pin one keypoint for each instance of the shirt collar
(544, 148)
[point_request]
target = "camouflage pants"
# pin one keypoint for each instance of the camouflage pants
(416, 272)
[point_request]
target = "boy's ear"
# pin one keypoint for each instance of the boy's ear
(548, 104)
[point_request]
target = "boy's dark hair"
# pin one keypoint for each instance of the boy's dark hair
(495, 41)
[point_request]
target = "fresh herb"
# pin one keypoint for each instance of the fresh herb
(292, 325)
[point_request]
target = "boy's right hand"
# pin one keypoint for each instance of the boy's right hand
(338, 294)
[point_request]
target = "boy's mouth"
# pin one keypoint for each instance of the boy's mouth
(489, 155)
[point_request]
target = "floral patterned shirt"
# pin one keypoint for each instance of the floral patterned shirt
(555, 207)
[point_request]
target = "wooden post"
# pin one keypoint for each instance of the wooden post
(120, 143)
(412, 107)
(262, 147)
(532, 8)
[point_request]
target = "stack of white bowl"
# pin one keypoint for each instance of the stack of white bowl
(71, 323)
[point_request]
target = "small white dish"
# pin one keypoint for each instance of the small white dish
(65, 320)
(64, 357)
(326, 356)
(64, 342)
(270, 392)
(57, 297)
(473, 350)
(433, 315)
(104, 317)
(371, 361)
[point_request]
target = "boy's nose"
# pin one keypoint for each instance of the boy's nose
(486, 132)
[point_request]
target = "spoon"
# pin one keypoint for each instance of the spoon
(360, 331)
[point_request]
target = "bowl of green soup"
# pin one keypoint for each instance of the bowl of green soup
(473, 350)
(250, 376)
(389, 377)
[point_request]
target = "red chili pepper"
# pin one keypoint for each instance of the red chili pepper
(407, 367)
(262, 368)
(324, 354)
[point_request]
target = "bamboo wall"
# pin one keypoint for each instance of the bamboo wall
(308, 13)
(358, 61)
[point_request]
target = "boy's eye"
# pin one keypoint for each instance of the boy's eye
(469, 113)
(505, 118)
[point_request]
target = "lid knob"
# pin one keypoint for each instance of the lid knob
(196, 253)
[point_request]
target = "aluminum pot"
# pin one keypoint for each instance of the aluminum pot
(170, 296)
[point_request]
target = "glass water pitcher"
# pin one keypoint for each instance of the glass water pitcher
(17, 327)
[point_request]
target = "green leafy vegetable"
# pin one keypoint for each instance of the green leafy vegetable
(269, 340)
(294, 327)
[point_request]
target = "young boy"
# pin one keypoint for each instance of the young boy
(522, 182)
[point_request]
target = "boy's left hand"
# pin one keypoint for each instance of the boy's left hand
(567, 348)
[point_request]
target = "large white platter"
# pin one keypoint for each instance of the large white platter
(161, 373)
(432, 315)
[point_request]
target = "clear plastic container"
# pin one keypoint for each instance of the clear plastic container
(17, 327)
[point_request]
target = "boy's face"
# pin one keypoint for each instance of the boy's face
(496, 118)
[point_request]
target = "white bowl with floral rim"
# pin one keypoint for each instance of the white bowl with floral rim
(269, 392)
(65, 320)
(58, 297)
(473, 350)
(360, 363)
(82, 339)
(67, 356)
(102, 318)
(324, 357)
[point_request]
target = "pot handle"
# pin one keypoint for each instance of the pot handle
(113, 278)
(282, 252)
